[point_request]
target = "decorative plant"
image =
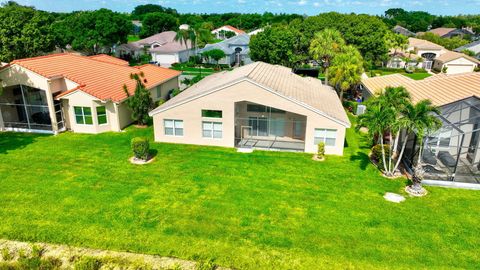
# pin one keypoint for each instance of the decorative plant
(140, 147)
(141, 102)
(321, 151)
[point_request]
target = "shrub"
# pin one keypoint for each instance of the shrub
(140, 147)
(377, 154)
(175, 92)
(6, 254)
(321, 150)
(88, 263)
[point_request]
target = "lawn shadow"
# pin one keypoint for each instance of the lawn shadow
(152, 153)
(363, 158)
(11, 140)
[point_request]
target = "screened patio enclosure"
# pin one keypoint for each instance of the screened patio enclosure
(259, 126)
(24, 108)
(451, 153)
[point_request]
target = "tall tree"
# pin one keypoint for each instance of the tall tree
(24, 32)
(141, 101)
(90, 31)
(346, 69)
(141, 10)
(325, 46)
(157, 22)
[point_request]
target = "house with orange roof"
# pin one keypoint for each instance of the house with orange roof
(220, 32)
(58, 92)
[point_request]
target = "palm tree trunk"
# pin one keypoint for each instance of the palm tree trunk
(383, 153)
(326, 76)
(390, 154)
(399, 158)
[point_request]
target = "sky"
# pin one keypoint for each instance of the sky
(309, 7)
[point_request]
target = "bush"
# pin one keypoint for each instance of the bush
(140, 147)
(321, 150)
(377, 154)
(88, 263)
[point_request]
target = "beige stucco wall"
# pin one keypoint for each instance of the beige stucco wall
(16, 75)
(224, 100)
(81, 99)
(164, 89)
(457, 66)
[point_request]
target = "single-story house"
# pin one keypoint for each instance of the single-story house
(58, 92)
(474, 47)
(255, 106)
(162, 47)
(236, 50)
(416, 49)
(220, 32)
(446, 32)
(403, 31)
(455, 63)
(451, 155)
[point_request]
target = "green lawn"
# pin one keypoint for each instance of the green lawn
(416, 75)
(265, 210)
(133, 38)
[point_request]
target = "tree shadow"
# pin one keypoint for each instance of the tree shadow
(152, 153)
(363, 158)
(11, 141)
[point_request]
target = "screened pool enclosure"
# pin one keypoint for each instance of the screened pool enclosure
(451, 153)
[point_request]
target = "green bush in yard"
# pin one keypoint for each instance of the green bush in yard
(377, 154)
(140, 147)
(88, 263)
(321, 150)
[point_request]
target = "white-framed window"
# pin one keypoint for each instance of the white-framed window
(212, 130)
(102, 115)
(83, 115)
(173, 127)
(159, 91)
(328, 136)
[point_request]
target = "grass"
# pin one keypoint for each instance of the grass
(265, 210)
(417, 75)
(133, 38)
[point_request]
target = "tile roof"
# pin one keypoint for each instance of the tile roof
(440, 89)
(467, 46)
(109, 59)
(450, 56)
(99, 78)
(442, 31)
(228, 45)
(233, 29)
(305, 91)
(165, 39)
(423, 44)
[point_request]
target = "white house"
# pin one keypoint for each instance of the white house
(474, 47)
(220, 32)
(455, 63)
(162, 47)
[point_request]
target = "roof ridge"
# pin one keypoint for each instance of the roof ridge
(39, 57)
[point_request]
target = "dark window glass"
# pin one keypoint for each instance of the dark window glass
(211, 113)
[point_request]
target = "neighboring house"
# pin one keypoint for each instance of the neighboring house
(403, 31)
(219, 32)
(474, 47)
(236, 50)
(255, 106)
(254, 32)
(451, 156)
(416, 49)
(452, 32)
(137, 27)
(162, 47)
(455, 63)
(58, 92)
(184, 27)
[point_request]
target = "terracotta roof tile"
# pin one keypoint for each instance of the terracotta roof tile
(99, 77)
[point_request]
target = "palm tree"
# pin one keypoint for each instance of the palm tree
(325, 46)
(346, 69)
(184, 36)
(376, 119)
(422, 121)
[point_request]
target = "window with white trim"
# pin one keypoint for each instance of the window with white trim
(212, 130)
(159, 91)
(173, 127)
(83, 115)
(327, 136)
(102, 115)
